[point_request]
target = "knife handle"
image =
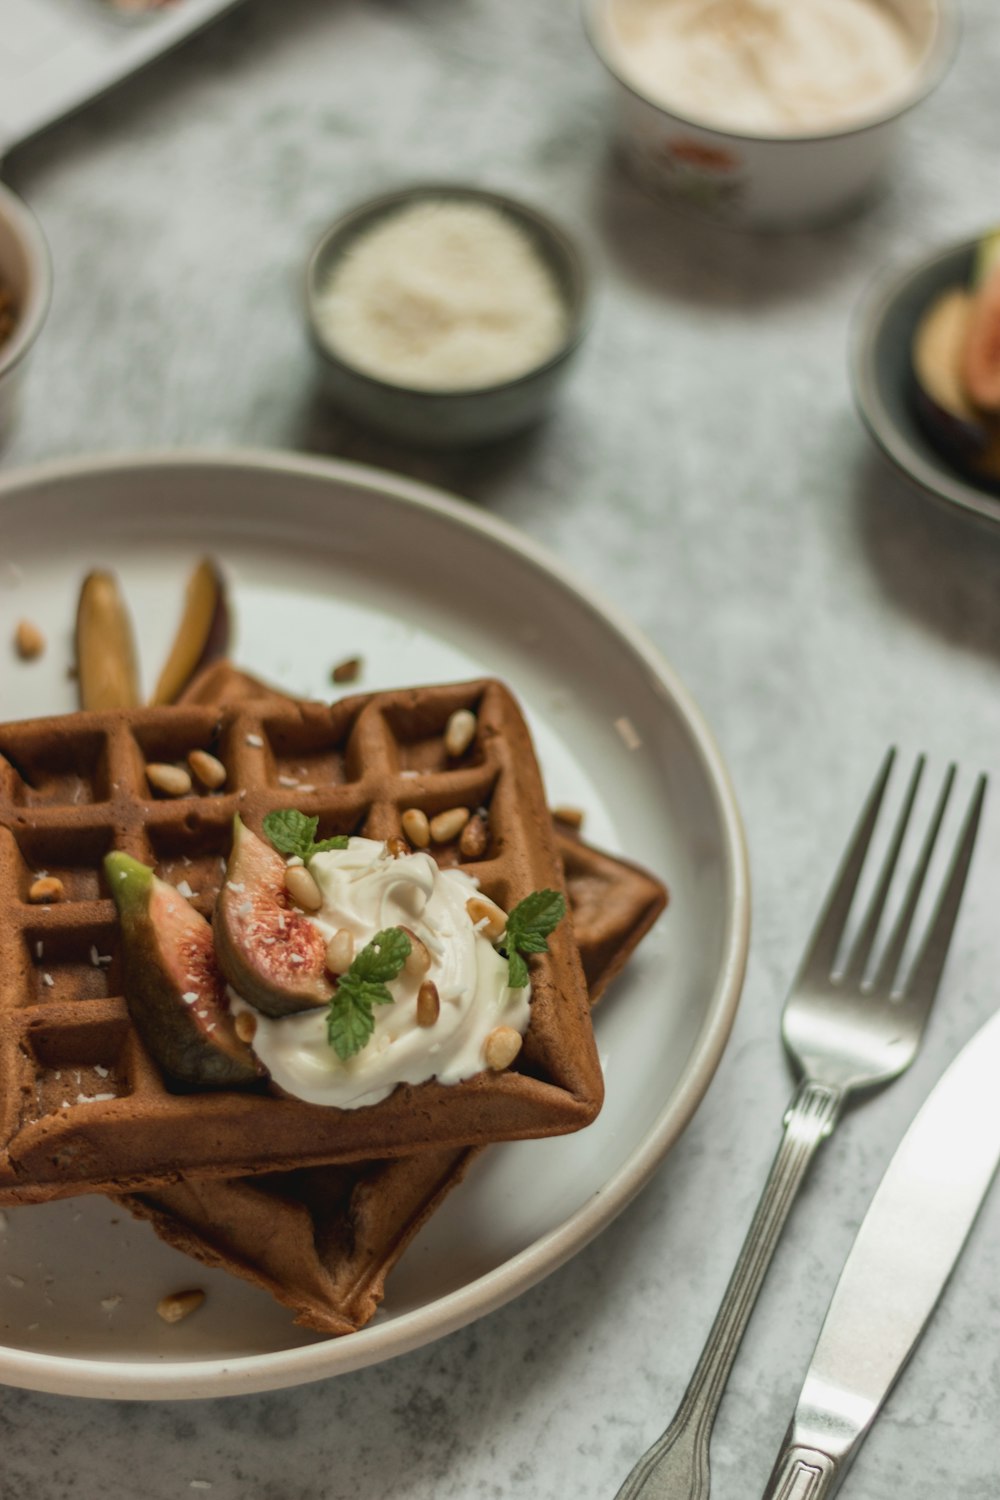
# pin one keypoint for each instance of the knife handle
(803, 1474)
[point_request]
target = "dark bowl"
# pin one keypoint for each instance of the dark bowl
(885, 387)
(450, 418)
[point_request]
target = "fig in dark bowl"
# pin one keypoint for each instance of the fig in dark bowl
(956, 367)
(908, 355)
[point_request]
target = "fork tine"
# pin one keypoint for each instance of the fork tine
(926, 973)
(821, 949)
(861, 950)
(889, 963)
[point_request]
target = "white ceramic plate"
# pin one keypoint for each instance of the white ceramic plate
(327, 560)
(57, 54)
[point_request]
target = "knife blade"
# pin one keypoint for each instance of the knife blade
(904, 1253)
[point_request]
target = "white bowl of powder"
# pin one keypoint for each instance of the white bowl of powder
(445, 315)
(772, 114)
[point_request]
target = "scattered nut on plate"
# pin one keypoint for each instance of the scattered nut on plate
(348, 670)
(179, 1305)
(29, 642)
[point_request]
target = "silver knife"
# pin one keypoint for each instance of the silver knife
(906, 1248)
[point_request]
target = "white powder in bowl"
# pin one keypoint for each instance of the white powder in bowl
(442, 296)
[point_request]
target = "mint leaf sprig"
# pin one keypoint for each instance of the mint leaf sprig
(292, 832)
(351, 1019)
(528, 928)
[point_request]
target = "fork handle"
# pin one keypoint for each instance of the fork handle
(676, 1467)
(809, 1119)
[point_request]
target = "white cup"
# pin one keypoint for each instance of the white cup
(26, 272)
(769, 181)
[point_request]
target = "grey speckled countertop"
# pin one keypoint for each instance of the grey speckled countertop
(707, 469)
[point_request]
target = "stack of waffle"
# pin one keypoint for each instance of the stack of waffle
(314, 1204)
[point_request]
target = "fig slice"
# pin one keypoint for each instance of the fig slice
(272, 955)
(174, 988)
(105, 648)
(980, 366)
(202, 635)
(945, 411)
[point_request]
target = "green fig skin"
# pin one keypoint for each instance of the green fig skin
(980, 367)
(169, 953)
(258, 933)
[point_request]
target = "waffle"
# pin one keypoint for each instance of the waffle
(84, 1107)
(323, 1241)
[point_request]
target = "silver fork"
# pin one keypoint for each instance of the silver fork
(845, 1032)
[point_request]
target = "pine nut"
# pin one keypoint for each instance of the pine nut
(448, 825)
(209, 770)
(475, 837)
(302, 888)
(179, 1305)
(245, 1026)
(502, 1046)
(46, 888)
(571, 816)
(397, 846)
(416, 827)
(418, 960)
(172, 781)
(482, 909)
(29, 641)
(459, 732)
(428, 1003)
(347, 671)
(340, 952)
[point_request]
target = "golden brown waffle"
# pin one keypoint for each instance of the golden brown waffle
(84, 1108)
(323, 1241)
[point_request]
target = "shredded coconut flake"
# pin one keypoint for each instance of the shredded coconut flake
(629, 734)
(189, 997)
(255, 742)
(48, 981)
(183, 889)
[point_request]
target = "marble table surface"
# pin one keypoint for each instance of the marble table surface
(706, 468)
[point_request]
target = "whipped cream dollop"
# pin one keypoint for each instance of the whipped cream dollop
(365, 890)
(771, 67)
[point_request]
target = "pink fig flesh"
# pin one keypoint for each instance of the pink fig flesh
(981, 352)
(272, 955)
(174, 988)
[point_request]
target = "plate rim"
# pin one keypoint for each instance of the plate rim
(193, 1379)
